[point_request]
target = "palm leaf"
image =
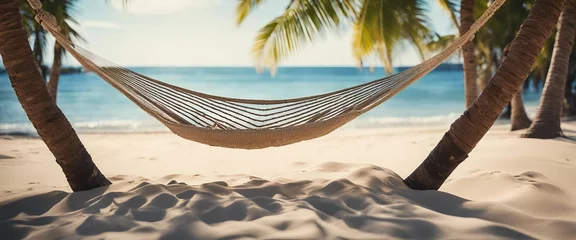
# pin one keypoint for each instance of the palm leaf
(383, 25)
(245, 7)
(39, 44)
(301, 23)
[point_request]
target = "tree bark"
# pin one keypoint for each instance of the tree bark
(470, 72)
(467, 130)
(55, 71)
(49, 121)
(519, 119)
(547, 121)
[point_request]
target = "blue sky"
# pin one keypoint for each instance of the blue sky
(203, 33)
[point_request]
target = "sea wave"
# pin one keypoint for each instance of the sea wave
(105, 126)
(129, 126)
(412, 121)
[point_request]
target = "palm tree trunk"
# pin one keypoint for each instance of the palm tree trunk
(55, 71)
(519, 118)
(547, 121)
(470, 74)
(507, 112)
(467, 130)
(49, 121)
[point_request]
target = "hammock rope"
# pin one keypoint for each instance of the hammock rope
(249, 123)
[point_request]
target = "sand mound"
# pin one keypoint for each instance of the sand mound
(368, 202)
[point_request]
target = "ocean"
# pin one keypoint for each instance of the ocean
(94, 106)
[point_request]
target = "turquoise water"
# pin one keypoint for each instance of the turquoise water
(94, 106)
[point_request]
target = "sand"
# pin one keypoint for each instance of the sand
(345, 185)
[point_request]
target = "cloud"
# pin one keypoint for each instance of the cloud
(98, 24)
(148, 7)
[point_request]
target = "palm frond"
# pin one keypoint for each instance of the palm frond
(414, 16)
(245, 7)
(383, 25)
(301, 23)
(39, 44)
(440, 42)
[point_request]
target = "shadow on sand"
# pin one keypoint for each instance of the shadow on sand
(371, 203)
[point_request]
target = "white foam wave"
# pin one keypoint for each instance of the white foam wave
(112, 126)
(126, 126)
(118, 126)
(107, 124)
(386, 122)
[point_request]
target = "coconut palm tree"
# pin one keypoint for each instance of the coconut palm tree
(492, 41)
(37, 33)
(55, 71)
(378, 27)
(61, 10)
(49, 121)
(540, 69)
(518, 118)
(469, 60)
(547, 121)
(469, 128)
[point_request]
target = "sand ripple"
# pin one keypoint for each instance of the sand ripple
(370, 203)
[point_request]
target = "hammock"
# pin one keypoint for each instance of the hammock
(247, 123)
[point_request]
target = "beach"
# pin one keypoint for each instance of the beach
(375, 118)
(347, 184)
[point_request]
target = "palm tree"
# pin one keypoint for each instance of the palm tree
(37, 32)
(492, 42)
(547, 121)
(61, 10)
(469, 128)
(49, 121)
(540, 69)
(518, 118)
(55, 71)
(378, 27)
(470, 74)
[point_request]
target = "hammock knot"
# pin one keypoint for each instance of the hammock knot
(46, 20)
(35, 4)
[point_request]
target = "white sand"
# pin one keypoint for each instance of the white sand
(347, 184)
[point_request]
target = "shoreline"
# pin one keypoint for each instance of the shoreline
(499, 124)
(342, 143)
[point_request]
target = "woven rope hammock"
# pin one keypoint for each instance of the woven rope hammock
(247, 123)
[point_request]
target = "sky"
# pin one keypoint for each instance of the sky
(204, 33)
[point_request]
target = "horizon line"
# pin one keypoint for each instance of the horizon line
(248, 66)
